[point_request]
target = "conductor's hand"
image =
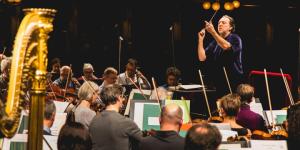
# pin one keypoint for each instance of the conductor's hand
(201, 34)
(209, 27)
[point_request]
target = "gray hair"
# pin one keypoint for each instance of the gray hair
(50, 108)
(87, 89)
(87, 66)
(109, 94)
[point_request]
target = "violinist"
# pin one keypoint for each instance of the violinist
(229, 106)
(132, 74)
(109, 76)
(246, 117)
(66, 80)
(109, 129)
(55, 69)
(88, 74)
(65, 87)
(172, 77)
(87, 97)
(168, 137)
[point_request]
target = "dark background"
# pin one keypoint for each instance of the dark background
(88, 31)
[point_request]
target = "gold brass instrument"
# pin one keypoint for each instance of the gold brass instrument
(28, 72)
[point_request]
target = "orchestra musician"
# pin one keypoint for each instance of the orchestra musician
(65, 86)
(172, 77)
(88, 94)
(246, 117)
(132, 74)
(55, 69)
(109, 76)
(88, 74)
(229, 106)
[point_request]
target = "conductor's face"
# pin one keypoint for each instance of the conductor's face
(224, 25)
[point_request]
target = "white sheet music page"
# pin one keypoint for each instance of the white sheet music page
(269, 144)
(191, 86)
(257, 107)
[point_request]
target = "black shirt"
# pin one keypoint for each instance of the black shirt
(163, 140)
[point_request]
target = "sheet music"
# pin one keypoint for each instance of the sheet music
(279, 116)
(191, 86)
(230, 146)
(133, 91)
(59, 121)
(257, 108)
(60, 106)
(227, 133)
(269, 144)
(139, 113)
(222, 126)
(19, 141)
(52, 140)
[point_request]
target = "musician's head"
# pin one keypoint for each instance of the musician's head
(171, 117)
(203, 136)
(89, 91)
(110, 75)
(173, 74)
(88, 70)
(65, 71)
(226, 25)
(55, 64)
(131, 67)
(229, 105)
(5, 67)
(49, 113)
(112, 96)
(246, 93)
(74, 135)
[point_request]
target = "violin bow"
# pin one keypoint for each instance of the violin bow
(67, 82)
(269, 98)
(227, 80)
(94, 90)
(204, 91)
(157, 96)
(136, 86)
(287, 88)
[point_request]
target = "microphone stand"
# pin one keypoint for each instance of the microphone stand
(172, 45)
(120, 48)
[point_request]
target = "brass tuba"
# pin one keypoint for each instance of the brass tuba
(28, 73)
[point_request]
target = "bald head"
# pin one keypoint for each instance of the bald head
(171, 114)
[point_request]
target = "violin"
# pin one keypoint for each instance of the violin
(280, 134)
(215, 119)
(60, 94)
